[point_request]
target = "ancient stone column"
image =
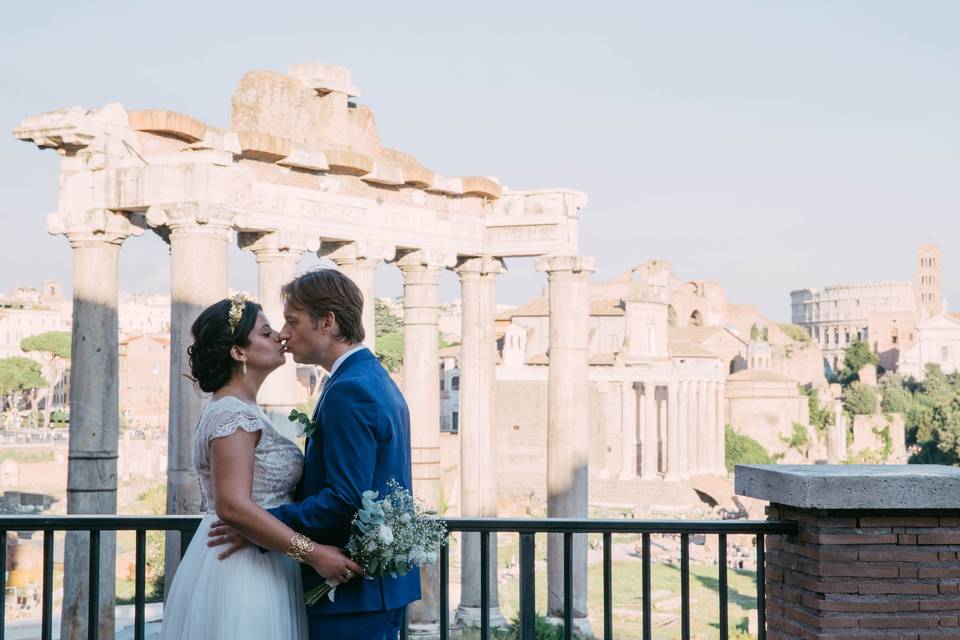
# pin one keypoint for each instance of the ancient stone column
(651, 436)
(568, 437)
(95, 237)
(710, 431)
(421, 386)
(721, 431)
(628, 431)
(358, 261)
(683, 425)
(673, 440)
(198, 238)
(278, 256)
(478, 481)
(704, 449)
(694, 428)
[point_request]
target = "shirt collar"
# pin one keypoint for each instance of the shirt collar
(344, 356)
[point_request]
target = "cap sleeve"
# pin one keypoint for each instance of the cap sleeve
(236, 415)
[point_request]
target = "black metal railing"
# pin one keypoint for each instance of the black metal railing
(186, 525)
(525, 528)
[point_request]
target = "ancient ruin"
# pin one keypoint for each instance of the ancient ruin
(301, 168)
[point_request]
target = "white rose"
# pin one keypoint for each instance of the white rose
(385, 533)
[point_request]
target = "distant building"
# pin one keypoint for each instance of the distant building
(667, 370)
(884, 314)
(26, 312)
(144, 380)
(938, 342)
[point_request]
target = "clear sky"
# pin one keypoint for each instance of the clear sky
(766, 145)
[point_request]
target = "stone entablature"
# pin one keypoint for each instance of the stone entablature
(299, 159)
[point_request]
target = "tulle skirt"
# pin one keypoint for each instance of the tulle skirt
(249, 596)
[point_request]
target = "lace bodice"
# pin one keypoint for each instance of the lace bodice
(277, 464)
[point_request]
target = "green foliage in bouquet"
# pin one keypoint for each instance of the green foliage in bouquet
(390, 537)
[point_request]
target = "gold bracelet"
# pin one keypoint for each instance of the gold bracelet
(300, 546)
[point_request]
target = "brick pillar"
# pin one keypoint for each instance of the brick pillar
(877, 553)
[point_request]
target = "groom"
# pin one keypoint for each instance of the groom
(361, 441)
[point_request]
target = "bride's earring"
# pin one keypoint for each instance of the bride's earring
(243, 371)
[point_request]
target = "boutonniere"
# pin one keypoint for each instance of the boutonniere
(309, 426)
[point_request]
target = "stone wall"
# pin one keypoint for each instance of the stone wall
(868, 442)
(864, 574)
(521, 437)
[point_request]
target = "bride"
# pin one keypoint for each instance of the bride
(245, 466)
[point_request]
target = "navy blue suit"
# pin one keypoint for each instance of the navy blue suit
(361, 441)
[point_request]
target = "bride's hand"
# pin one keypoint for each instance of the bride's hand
(333, 564)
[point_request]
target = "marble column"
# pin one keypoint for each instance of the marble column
(683, 427)
(710, 432)
(673, 440)
(278, 256)
(651, 446)
(568, 436)
(95, 237)
(358, 261)
(478, 481)
(199, 263)
(421, 387)
(695, 428)
(704, 450)
(721, 431)
(628, 431)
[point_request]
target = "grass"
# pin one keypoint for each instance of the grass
(26, 456)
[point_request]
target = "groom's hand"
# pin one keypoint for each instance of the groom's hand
(222, 534)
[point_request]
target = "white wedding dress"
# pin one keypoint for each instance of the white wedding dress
(250, 595)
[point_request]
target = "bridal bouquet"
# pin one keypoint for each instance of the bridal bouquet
(390, 537)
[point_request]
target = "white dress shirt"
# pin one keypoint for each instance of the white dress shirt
(344, 356)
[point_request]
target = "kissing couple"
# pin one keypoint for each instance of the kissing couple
(277, 519)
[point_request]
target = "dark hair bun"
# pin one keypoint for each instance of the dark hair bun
(210, 361)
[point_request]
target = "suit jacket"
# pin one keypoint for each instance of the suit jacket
(361, 441)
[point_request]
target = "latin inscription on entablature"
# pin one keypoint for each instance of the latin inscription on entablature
(523, 232)
(272, 203)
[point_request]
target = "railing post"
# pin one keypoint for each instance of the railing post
(93, 603)
(528, 586)
(140, 589)
(46, 623)
(876, 549)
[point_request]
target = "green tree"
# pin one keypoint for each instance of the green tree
(18, 376)
(820, 415)
(937, 417)
(54, 347)
(390, 350)
(386, 320)
(55, 343)
(855, 357)
(795, 332)
(799, 439)
(897, 397)
(741, 449)
(860, 399)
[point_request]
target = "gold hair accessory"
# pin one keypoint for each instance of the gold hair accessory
(300, 546)
(237, 303)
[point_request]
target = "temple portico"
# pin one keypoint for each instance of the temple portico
(301, 168)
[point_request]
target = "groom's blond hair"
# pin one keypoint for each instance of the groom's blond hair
(323, 291)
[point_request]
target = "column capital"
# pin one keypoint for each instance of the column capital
(92, 226)
(426, 259)
(268, 244)
(343, 253)
(183, 215)
(574, 264)
(479, 266)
